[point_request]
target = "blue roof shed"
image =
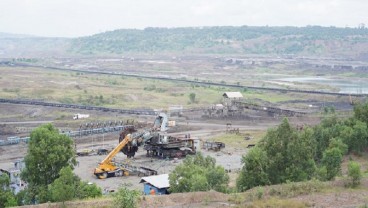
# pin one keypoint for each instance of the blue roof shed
(160, 183)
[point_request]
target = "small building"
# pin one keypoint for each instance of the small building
(160, 183)
(230, 98)
(16, 183)
(233, 95)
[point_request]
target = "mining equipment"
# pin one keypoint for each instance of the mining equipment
(107, 168)
(165, 146)
(215, 146)
(129, 141)
(84, 152)
(159, 144)
(156, 142)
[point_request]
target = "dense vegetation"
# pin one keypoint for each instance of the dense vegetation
(48, 152)
(246, 39)
(48, 173)
(310, 40)
(125, 198)
(288, 154)
(198, 173)
(7, 198)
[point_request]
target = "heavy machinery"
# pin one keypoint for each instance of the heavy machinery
(215, 146)
(159, 125)
(107, 168)
(159, 144)
(128, 143)
(166, 146)
(155, 144)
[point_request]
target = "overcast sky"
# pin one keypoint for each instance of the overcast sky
(72, 18)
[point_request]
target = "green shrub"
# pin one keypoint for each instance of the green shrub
(354, 173)
(260, 192)
(126, 198)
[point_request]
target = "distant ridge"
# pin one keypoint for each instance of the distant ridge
(260, 40)
(311, 40)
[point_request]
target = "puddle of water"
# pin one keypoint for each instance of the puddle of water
(345, 86)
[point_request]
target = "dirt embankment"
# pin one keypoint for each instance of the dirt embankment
(194, 199)
(212, 199)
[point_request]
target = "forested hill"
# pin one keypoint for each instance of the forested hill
(312, 40)
(300, 41)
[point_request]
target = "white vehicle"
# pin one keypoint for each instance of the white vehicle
(79, 116)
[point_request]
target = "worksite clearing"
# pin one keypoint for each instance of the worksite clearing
(219, 132)
(229, 157)
(224, 124)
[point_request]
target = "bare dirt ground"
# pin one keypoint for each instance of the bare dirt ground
(109, 141)
(14, 116)
(229, 158)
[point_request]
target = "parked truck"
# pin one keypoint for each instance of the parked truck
(80, 116)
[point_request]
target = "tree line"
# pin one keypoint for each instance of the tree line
(224, 39)
(287, 154)
(284, 154)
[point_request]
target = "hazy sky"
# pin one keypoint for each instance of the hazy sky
(71, 18)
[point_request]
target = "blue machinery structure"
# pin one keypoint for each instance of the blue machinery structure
(16, 140)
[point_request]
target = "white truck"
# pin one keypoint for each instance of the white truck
(79, 116)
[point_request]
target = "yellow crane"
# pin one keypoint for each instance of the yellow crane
(107, 168)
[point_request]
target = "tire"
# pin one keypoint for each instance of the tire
(102, 175)
(119, 173)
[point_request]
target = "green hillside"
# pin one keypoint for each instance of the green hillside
(303, 41)
(312, 40)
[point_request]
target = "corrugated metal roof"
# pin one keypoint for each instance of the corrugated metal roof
(233, 94)
(159, 181)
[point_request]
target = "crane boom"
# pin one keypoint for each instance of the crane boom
(116, 150)
(106, 167)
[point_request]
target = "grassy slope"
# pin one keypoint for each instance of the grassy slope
(115, 91)
(301, 194)
(237, 140)
(110, 91)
